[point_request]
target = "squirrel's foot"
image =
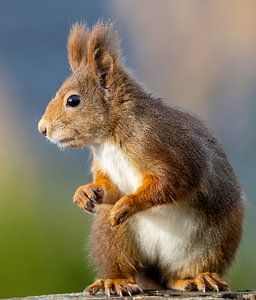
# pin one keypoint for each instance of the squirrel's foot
(87, 196)
(202, 282)
(118, 286)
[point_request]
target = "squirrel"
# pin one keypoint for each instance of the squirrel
(167, 207)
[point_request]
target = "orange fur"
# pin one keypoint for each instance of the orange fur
(144, 198)
(111, 192)
(77, 45)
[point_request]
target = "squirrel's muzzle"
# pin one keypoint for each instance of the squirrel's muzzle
(42, 128)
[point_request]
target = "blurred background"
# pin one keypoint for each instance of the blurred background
(199, 55)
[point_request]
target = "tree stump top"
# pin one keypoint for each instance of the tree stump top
(152, 295)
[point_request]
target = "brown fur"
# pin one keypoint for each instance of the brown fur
(77, 46)
(179, 160)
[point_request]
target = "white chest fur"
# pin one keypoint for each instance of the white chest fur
(117, 166)
(165, 234)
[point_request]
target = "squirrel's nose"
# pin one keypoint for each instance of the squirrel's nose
(42, 128)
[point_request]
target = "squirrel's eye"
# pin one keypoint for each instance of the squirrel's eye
(73, 100)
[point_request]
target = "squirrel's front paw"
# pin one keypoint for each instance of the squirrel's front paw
(122, 210)
(87, 196)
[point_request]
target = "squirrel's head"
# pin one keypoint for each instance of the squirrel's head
(81, 113)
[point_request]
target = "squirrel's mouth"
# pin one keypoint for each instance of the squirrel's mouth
(70, 142)
(66, 140)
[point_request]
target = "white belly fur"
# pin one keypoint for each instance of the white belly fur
(163, 233)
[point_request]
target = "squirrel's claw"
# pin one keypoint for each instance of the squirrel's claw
(117, 286)
(121, 211)
(88, 196)
(119, 217)
(89, 207)
(202, 282)
(95, 287)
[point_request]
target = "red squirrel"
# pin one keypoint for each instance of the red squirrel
(167, 207)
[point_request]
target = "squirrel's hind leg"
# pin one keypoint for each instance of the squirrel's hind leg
(115, 255)
(201, 282)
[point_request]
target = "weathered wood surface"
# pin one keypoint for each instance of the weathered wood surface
(153, 295)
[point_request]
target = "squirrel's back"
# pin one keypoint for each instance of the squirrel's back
(162, 138)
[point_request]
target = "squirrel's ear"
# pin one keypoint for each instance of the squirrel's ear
(77, 46)
(103, 52)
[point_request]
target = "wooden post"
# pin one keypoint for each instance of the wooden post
(152, 295)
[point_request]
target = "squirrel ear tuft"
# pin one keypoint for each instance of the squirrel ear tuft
(77, 45)
(103, 52)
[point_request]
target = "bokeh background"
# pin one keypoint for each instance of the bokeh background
(200, 55)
